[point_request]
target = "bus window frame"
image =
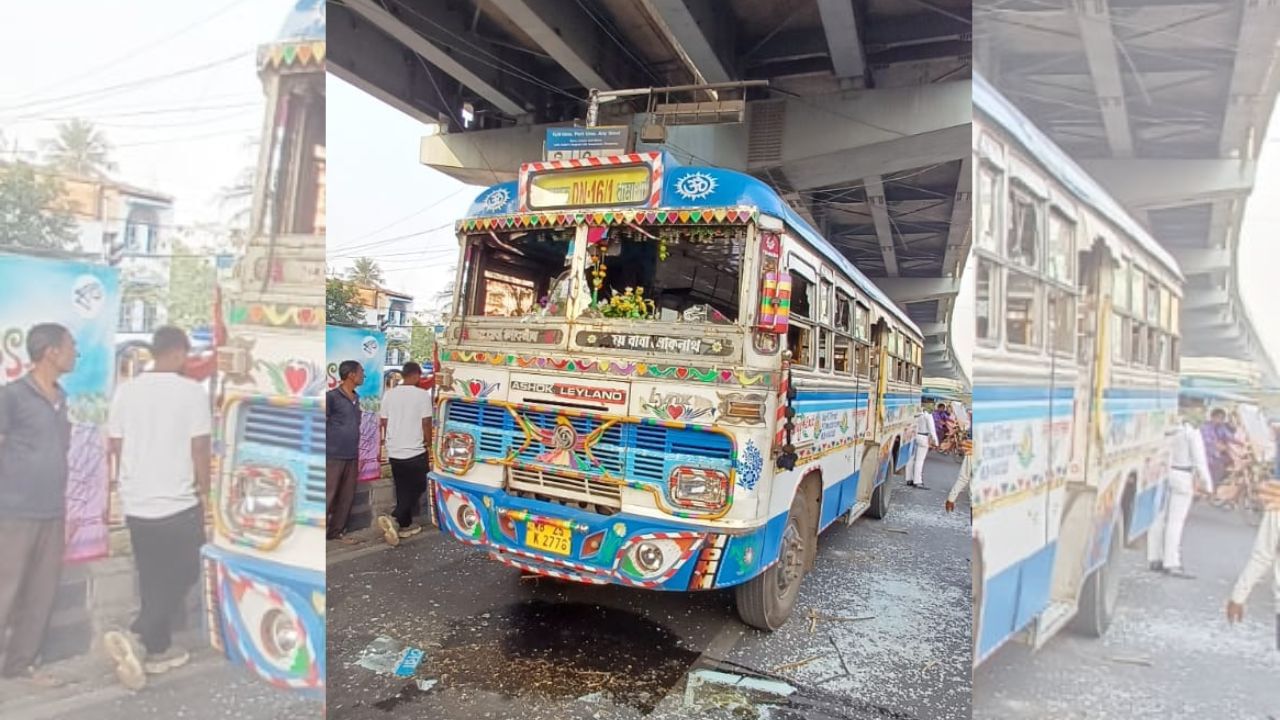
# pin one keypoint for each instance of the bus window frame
(1038, 301)
(994, 301)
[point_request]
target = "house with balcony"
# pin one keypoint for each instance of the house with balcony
(383, 307)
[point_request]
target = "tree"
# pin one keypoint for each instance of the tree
(342, 306)
(80, 148)
(422, 341)
(366, 273)
(191, 285)
(33, 212)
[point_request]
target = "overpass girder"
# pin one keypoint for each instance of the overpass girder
(1148, 183)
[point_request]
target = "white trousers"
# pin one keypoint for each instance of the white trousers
(915, 465)
(1164, 541)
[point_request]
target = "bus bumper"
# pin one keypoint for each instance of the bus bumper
(268, 617)
(619, 549)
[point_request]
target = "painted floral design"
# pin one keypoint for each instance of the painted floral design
(751, 465)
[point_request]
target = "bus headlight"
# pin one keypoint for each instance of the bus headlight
(279, 635)
(458, 452)
(699, 487)
(259, 502)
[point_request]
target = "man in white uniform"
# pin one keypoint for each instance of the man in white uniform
(406, 431)
(1186, 462)
(159, 429)
(926, 435)
(1265, 557)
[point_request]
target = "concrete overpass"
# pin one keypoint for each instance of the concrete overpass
(865, 125)
(1165, 103)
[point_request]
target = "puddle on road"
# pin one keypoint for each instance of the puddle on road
(562, 651)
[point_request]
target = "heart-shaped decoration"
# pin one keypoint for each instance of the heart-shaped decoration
(256, 313)
(661, 216)
(641, 368)
(304, 53)
(290, 52)
(317, 49)
(696, 215)
(238, 314)
(306, 316)
(726, 375)
(684, 216)
(682, 373)
(474, 387)
(675, 411)
(296, 375)
(719, 215)
(608, 217)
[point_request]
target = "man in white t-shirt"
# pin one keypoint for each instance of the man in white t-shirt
(406, 432)
(924, 436)
(159, 428)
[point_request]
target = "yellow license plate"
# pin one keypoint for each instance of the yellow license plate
(550, 538)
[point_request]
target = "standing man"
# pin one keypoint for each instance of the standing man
(1186, 461)
(342, 448)
(159, 428)
(35, 436)
(1218, 438)
(1264, 557)
(406, 432)
(926, 436)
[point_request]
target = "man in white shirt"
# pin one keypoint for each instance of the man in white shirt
(406, 432)
(159, 428)
(926, 436)
(1265, 556)
(1186, 462)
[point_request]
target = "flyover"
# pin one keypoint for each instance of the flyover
(864, 127)
(1166, 104)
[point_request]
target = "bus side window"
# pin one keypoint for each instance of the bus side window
(1022, 311)
(800, 342)
(842, 359)
(987, 292)
(824, 349)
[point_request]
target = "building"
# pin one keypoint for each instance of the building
(392, 310)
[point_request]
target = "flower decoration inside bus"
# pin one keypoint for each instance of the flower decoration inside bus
(652, 558)
(260, 503)
(565, 447)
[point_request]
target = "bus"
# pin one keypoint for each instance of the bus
(1075, 387)
(264, 589)
(662, 377)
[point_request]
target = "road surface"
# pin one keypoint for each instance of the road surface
(1169, 654)
(881, 630)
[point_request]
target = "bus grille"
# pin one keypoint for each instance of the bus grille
(294, 430)
(635, 451)
(546, 481)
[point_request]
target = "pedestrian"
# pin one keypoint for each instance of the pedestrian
(1218, 439)
(1265, 556)
(159, 427)
(406, 433)
(1187, 462)
(342, 449)
(926, 436)
(35, 437)
(965, 476)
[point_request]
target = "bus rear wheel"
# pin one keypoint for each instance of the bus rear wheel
(766, 601)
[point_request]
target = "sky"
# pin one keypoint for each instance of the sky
(187, 136)
(382, 202)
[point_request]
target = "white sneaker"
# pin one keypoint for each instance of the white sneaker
(410, 531)
(123, 651)
(171, 659)
(389, 531)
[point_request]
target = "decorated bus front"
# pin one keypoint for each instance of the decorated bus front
(612, 382)
(264, 568)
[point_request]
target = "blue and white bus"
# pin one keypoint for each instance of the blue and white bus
(1075, 387)
(662, 377)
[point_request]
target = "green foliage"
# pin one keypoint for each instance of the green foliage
(33, 213)
(79, 148)
(366, 273)
(341, 303)
(191, 286)
(422, 341)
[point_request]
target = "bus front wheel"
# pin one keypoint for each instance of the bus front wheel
(1101, 592)
(766, 601)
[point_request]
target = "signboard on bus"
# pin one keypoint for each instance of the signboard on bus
(572, 143)
(369, 348)
(84, 298)
(622, 185)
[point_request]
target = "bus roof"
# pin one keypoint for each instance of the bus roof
(1057, 163)
(716, 188)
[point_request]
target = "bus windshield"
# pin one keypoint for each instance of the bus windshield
(684, 275)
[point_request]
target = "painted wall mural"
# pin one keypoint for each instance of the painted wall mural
(86, 299)
(369, 348)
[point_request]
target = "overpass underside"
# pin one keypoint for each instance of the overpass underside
(864, 129)
(1166, 104)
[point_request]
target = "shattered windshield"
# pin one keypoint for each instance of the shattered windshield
(669, 274)
(519, 275)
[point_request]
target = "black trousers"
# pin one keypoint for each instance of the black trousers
(167, 553)
(410, 476)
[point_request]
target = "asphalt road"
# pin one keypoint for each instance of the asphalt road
(208, 687)
(1169, 654)
(881, 630)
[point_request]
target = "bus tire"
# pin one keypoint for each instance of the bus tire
(766, 601)
(1101, 592)
(880, 500)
